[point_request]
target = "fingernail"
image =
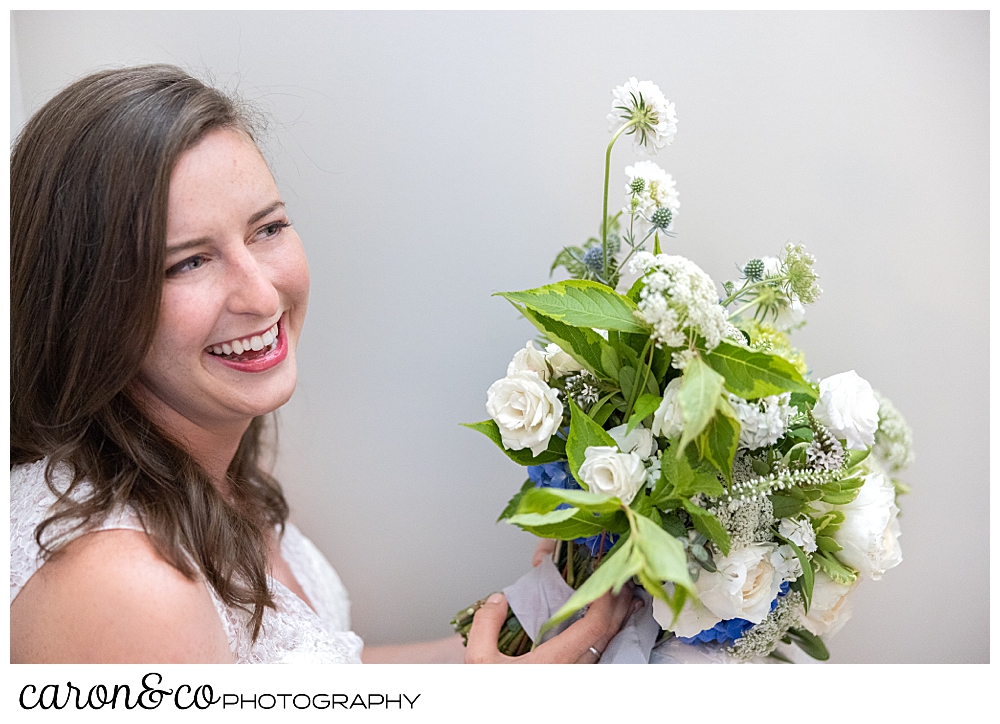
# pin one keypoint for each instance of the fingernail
(495, 598)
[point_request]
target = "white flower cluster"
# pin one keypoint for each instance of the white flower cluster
(791, 314)
(764, 638)
(659, 189)
(526, 410)
(679, 296)
(893, 438)
(642, 102)
(762, 422)
(800, 532)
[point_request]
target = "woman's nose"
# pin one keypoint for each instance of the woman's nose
(251, 289)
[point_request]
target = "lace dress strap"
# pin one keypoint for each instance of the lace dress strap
(292, 632)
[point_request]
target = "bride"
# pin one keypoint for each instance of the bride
(158, 291)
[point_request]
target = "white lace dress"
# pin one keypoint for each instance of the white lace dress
(294, 633)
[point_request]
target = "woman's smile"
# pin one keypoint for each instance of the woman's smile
(255, 352)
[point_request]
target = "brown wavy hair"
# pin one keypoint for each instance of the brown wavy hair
(89, 182)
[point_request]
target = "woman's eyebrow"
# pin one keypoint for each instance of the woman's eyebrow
(264, 212)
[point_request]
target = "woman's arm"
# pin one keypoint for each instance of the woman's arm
(442, 651)
(108, 597)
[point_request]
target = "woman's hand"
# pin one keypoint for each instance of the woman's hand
(546, 547)
(575, 645)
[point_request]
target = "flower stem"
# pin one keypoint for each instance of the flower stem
(640, 384)
(607, 180)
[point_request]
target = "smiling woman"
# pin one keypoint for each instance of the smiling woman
(158, 291)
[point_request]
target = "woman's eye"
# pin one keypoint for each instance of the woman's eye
(272, 229)
(187, 265)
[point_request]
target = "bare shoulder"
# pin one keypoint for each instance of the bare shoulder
(109, 597)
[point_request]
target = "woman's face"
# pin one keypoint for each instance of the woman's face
(236, 275)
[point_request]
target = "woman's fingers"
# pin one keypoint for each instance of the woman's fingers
(546, 547)
(485, 631)
(595, 630)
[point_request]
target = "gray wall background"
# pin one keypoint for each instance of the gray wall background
(429, 159)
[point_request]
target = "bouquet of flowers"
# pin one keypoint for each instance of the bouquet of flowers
(673, 437)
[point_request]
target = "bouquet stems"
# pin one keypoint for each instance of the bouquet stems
(574, 564)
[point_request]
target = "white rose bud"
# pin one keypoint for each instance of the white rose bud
(609, 472)
(560, 362)
(527, 411)
(847, 405)
(869, 534)
(640, 440)
(529, 359)
(830, 608)
(668, 420)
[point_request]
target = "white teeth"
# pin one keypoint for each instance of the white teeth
(226, 349)
(246, 344)
(274, 330)
(237, 346)
(256, 344)
(267, 338)
(216, 349)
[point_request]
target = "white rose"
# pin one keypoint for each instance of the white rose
(830, 606)
(847, 405)
(799, 532)
(527, 411)
(869, 534)
(529, 359)
(668, 421)
(560, 362)
(609, 472)
(743, 587)
(640, 440)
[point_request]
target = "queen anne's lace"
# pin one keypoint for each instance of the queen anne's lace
(294, 633)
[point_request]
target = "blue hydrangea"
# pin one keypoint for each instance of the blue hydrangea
(552, 475)
(600, 543)
(726, 632)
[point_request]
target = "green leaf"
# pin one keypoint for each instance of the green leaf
(835, 569)
(555, 452)
(570, 257)
(581, 303)
(807, 579)
(718, 443)
(636, 289)
(664, 556)
(701, 388)
(584, 345)
(787, 507)
(687, 477)
(627, 381)
(583, 433)
(542, 500)
(752, 375)
(576, 526)
(515, 501)
(644, 407)
(612, 574)
(828, 544)
(811, 644)
(854, 457)
(707, 524)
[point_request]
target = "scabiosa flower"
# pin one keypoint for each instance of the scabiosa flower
(653, 119)
(679, 297)
(657, 189)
